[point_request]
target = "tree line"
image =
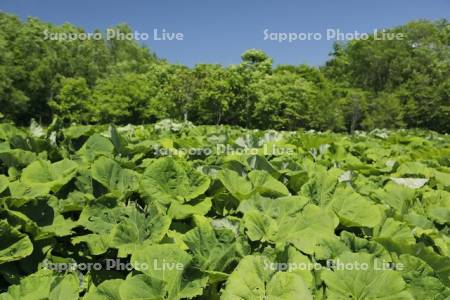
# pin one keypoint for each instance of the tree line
(365, 84)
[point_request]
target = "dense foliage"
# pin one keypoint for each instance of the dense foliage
(244, 220)
(366, 84)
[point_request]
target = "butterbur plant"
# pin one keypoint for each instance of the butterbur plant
(360, 216)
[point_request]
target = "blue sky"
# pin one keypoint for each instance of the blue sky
(220, 31)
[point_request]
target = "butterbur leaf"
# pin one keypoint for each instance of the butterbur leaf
(266, 185)
(260, 227)
(396, 231)
(44, 177)
(180, 211)
(396, 196)
(259, 162)
(118, 140)
(413, 168)
(254, 279)
(44, 284)
(418, 275)
(18, 158)
(437, 206)
(289, 220)
(279, 207)
(321, 185)
(357, 244)
(308, 231)
(238, 186)
(96, 145)
(165, 180)
(412, 183)
(59, 227)
(284, 285)
(439, 263)
(354, 210)
(123, 228)
(142, 287)
(97, 244)
(259, 181)
(112, 176)
(169, 264)
(442, 178)
(369, 279)
(131, 233)
(107, 290)
(213, 250)
(14, 244)
(4, 183)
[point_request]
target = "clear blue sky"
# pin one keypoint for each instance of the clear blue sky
(219, 31)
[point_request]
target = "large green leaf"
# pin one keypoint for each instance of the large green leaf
(14, 244)
(396, 196)
(42, 177)
(287, 220)
(165, 180)
(44, 284)
(112, 176)
(253, 279)
(123, 228)
(354, 210)
(143, 287)
(4, 182)
(107, 290)
(321, 185)
(266, 185)
(361, 276)
(437, 206)
(96, 145)
(214, 250)
(238, 186)
(169, 266)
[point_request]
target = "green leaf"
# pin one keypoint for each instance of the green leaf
(412, 183)
(124, 228)
(421, 282)
(42, 177)
(396, 231)
(14, 244)
(118, 140)
(96, 145)
(107, 290)
(396, 196)
(437, 206)
(354, 210)
(112, 176)
(253, 279)
(168, 264)
(266, 185)
(439, 263)
(17, 158)
(214, 250)
(238, 186)
(367, 281)
(44, 285)
(321, 185)
(4, 183)
(165, 180)
(288, 220)
(180, 211)
(142, 287)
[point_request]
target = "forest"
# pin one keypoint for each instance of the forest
(365, 84)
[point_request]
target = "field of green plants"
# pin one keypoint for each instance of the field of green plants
(176, 211)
